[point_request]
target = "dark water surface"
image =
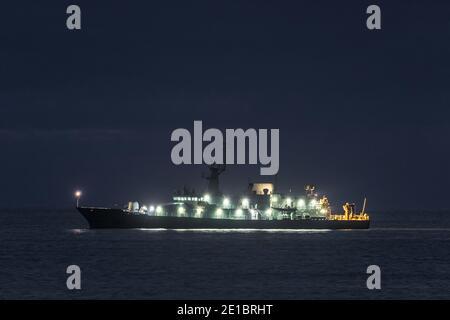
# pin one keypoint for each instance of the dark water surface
(412, 249)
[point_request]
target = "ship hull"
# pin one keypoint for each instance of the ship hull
(105, 218)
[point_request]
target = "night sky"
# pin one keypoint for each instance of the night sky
(360, 113)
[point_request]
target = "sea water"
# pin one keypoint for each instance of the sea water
(411, 248)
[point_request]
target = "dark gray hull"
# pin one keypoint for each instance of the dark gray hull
(117, 218)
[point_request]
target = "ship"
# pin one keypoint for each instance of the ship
(261, 207)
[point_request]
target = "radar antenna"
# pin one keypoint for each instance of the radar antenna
(310, 190)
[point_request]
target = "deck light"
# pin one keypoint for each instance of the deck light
(301, 203)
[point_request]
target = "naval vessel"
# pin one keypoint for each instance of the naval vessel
(260, 207)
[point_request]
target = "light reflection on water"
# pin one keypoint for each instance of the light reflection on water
(154, 230)
(241, 230)
(411, 249)
(78, 231)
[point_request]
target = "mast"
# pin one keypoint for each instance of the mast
(215, 170)
(364, 205)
